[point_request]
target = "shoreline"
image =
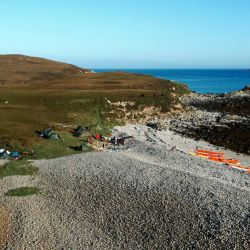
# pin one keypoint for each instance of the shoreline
(171, 139)
(223, 120)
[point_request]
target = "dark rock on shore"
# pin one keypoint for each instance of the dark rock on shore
(233, 103)
(223, 120)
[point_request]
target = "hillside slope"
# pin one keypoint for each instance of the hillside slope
(37, 93)
(25, 69)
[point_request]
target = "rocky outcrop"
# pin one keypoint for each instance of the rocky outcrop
(226, 130)
(223, 120)
(232, 103)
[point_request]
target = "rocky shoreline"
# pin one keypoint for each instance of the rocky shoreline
(223, 120)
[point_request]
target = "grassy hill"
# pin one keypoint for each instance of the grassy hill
(22, 69)
(36, 93)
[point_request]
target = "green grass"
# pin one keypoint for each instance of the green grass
(17, 168)
(55, 148)
(75, 101)
(23, 191)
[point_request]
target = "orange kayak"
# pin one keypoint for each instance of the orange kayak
(212, 154)
(232, 161)
(209, 152)
(221, 159)
(218, 159)
(202, 154)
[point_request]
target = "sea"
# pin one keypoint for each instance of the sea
(199, 80)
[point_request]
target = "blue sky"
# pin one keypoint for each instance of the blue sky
(129, 33)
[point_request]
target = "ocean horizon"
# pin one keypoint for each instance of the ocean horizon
(199, 80)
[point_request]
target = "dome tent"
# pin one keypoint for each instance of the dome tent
(49, 134)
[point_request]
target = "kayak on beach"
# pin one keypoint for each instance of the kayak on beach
(219, 157)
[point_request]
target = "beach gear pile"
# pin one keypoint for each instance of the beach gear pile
(220, 157)
(113, 141)
(6, 154)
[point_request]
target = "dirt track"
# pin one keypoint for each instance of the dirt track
(147, 197)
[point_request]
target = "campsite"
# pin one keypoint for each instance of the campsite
(101, 153)
(125, 125)
(76, 98)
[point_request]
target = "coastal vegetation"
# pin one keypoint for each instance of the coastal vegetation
(156, 189)
(37, 93)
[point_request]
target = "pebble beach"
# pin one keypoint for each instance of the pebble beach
(151, 195)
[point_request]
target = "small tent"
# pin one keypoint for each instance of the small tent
(79, 131)
(49, 134)
(4, 154)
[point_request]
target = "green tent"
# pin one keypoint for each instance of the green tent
(49, 134)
